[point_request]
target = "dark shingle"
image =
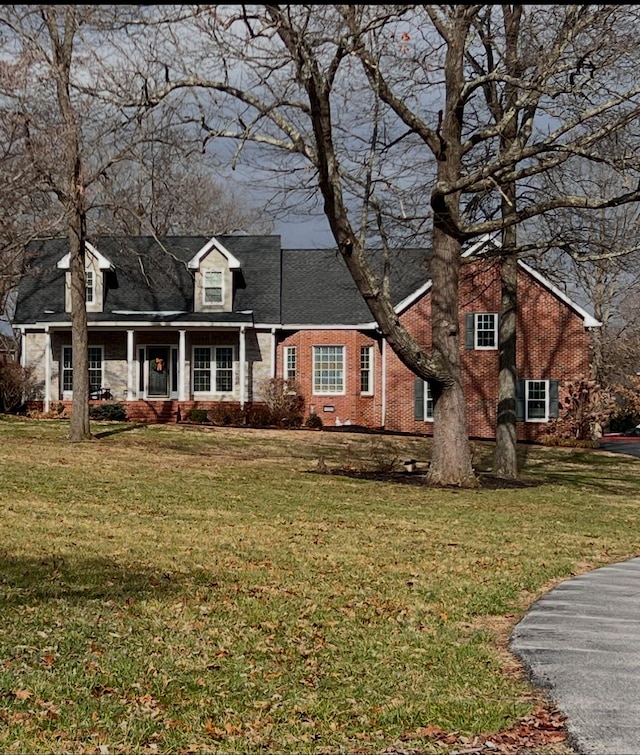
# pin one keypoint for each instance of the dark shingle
(151, 275)
(319, 290)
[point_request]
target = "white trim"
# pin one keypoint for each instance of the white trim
(242, 366)
(89, 274)
(286, 350)
(383, 390)
(496, 317)
(103, 262)
(344, 369)
(370, 370)
(274, 352)
(329, 326)
(412, 298)
(425, 399)
(68, 394)
(182, 358)
(206, 303)
(213, 369)
(589, 321)
(547, 398)
(130, 362)
(145, 370)
(122, 325)
(213, 243)
(47, 370)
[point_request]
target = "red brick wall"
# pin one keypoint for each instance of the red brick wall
(351, 407)
(552, 344)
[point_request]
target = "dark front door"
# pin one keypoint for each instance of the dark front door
(158, 371)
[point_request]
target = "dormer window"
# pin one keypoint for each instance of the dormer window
(212, 288)
(214, 267)
(94, 278)
(89, 286)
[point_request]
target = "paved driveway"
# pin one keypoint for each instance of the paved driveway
(621, 444)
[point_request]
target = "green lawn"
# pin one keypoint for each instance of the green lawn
(177, 589)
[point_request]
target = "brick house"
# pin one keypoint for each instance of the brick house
(179, 322)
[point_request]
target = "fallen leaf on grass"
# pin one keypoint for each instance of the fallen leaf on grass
(22, 694)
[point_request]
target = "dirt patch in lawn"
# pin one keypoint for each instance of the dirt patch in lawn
(420, 479)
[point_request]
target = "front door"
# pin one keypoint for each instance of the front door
(158, 371)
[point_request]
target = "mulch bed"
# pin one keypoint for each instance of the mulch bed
(487, 480)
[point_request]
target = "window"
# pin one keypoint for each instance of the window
(537, 400)
(328, 369)
(482, 331)
(95, 368)
(366, 376)
(423, 401)
(89, 286)
(212, 289)
(290, 363)
(213, 369)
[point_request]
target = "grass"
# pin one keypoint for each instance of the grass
(179, 589)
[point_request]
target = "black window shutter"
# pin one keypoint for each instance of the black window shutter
(469, 340)
(554, 398)
(418, 399)
(520, 400)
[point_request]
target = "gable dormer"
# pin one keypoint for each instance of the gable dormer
(95, 266)
(213, 268)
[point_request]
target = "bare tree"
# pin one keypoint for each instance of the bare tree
(386, 107)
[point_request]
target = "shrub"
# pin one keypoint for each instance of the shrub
(114, 412)
(226, 414)
(284, 402)
(16, 386)
(583, 410)
(314, 422)
(258, 415)
(199, 416)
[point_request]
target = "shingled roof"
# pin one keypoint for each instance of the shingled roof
(150, 280)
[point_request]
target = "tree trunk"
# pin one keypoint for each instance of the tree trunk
(451, 454)
(79, 428)
(505, 460)
(62, 26)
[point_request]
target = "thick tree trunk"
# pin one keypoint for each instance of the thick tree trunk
(62, 25)
(451, 454)
(79, 428)
(505, 460)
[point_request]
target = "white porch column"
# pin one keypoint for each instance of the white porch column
(243, 366)
(383, 387)
(273, 353)
(23, 348)
(47, 369)
(182, 358)
(130, 364)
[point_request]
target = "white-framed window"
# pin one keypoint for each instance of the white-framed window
(423, 401)
(428, 402)
(366, 370)
(537, 400)
(486, 331)
(90, 288)
(328, 369)
(213, 369)
(96, 363)
(212, 287)
(482, 331)
(290, 363)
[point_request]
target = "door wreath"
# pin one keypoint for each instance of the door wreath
(157, 364)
